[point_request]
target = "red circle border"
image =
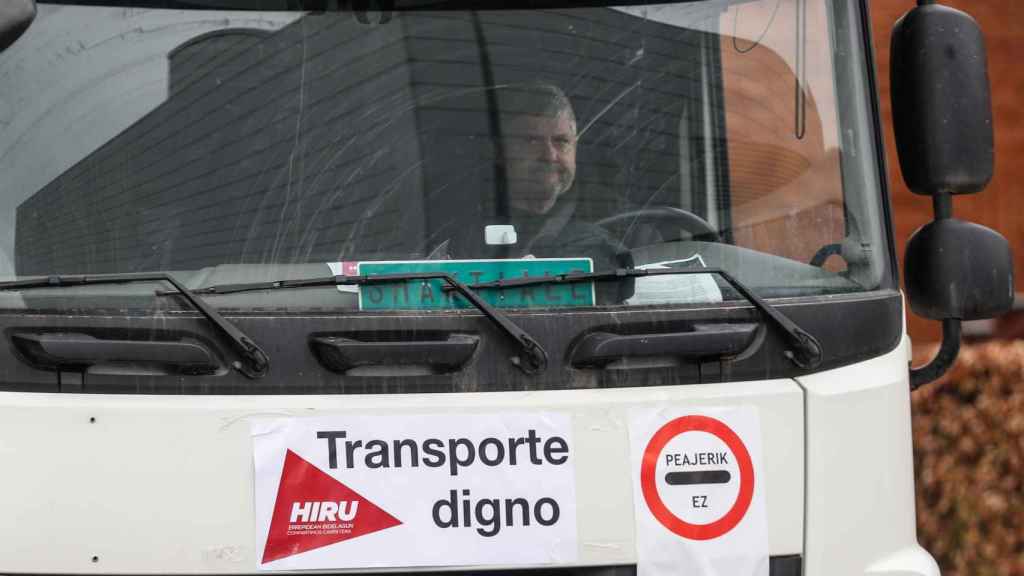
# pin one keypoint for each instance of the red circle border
(696, 423)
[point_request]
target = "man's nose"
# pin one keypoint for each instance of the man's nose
(549, 151)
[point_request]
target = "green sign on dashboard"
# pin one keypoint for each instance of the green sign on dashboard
(429, 295)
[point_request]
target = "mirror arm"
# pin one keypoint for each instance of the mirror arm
(943, 360)
(942, 205)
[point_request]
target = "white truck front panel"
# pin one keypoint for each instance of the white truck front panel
(860, 471)
(164, 484)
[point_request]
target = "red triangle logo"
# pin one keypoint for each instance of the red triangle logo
(314, 510)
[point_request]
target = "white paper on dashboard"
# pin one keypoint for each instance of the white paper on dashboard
(676, 288)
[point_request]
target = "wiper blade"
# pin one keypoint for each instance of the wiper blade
(533, 359)
(256, 360)
(805, 349)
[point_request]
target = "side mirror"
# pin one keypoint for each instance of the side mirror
(941, 109)
(959, 270)
(942, 116)
(15, 18)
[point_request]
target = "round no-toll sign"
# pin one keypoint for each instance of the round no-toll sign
(697, 477)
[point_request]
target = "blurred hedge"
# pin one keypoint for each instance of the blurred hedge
(969, 460)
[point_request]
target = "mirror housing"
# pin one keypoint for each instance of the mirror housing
(957, 269)
(942, 117)
(15, 18)
(941, 108)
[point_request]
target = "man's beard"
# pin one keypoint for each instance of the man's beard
(556, 177)
(539, 192)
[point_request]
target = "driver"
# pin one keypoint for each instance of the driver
(538, 150)
(537, 158)
(535, 165)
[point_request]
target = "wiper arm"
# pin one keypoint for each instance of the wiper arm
(806, 350)
(533, 359)
(256, 360)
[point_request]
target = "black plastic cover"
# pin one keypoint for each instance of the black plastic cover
(942, 112)
(440, 355)
(871, 326)
(957, 269)
(704, 341)
(71, 351)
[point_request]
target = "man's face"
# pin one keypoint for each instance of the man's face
(540, 154)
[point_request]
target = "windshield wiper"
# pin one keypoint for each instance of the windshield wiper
(256, 360)
(533, 360)
(805, 349)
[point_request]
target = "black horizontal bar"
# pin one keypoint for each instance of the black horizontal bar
(697, 477)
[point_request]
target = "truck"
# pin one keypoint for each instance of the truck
(423, 286)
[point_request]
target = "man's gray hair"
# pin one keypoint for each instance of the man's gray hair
(535, 98)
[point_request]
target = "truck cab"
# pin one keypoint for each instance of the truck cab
(578, 287)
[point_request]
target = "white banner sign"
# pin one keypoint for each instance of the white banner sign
(418, 490)
(699, 492)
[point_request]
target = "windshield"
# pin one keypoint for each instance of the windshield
(236, 145)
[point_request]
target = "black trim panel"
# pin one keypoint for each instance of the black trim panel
(850, 329)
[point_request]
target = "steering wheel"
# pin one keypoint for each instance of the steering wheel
(664, 216)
